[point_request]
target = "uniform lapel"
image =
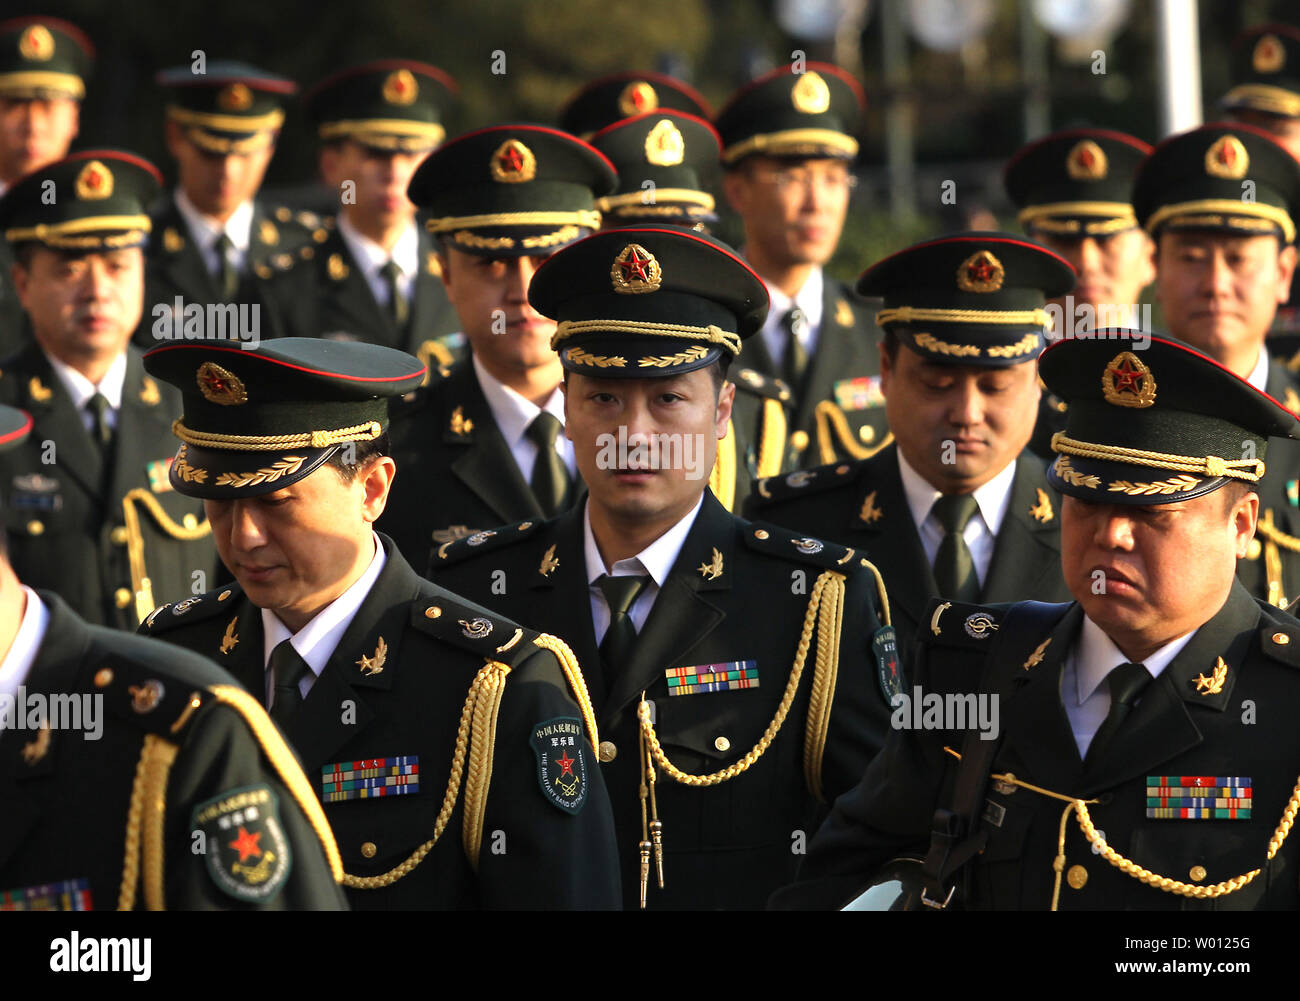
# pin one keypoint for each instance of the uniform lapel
(53, 413)
(562, 597)
(178, 261)
(832, 361)
(892, 541)
(431, 311)
(1027, 551)
(143, 431)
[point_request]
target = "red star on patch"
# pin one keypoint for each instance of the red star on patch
(511, 160)
(246, 844)
(566, 764)
(635, 266)
(1126, 377)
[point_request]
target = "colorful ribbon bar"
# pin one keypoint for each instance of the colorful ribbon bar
(712, 677)
(370, 778)
(66, 895)
(1198, 797)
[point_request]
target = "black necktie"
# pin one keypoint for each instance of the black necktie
(227, 273)
(100, 429)
(796, 356)
(620, 638)
(1126, 683)
(398, 308)
(550, 479)
(954, 569)
(287, 669)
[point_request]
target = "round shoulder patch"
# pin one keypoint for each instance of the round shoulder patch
(561, 766)
(244, 843)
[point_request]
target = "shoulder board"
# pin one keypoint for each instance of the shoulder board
(785, 544)
(955, 624)
(774, 489)
(1279, 636)
(487, 541)
(467, 626)
(189, 610)
(749, 381)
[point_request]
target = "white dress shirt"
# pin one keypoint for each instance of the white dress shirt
(206, 232)
(981, 532)
(82, 389)
(1259, 374)
(655, 560)
(1083, 688)
(513, 413)
(371, 258)
(809, 300)
(17, 663)
(317, 640)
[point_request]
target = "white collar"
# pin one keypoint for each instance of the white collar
(18, 660)
(371, 256)
(808, 299)
(206, 231)
(82, 389)
(317, 640)
(993, 497)
(1096, 655)
(656, 559)
(511, 411)
(1259, 374)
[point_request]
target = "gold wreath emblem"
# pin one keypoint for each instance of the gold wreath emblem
(513, 163)
(460, 424)
(1269, 55)
(580, 357)
(218, 385)
(713, 569)
(664, 145)
(1073, 477)
(235, 97)
(371, 666)
(1042, 511)
(1036, 657)
(94, 182)
(1227, 158)
(401, 88)
(981, 272)
(286, 466)
(1126, 382)
(810, 95)
(1086, 162)
(231, 639)
(1212, 685)
(549, 562)
(36, 43)
(870, 513)
(637, 98)
(635, 270)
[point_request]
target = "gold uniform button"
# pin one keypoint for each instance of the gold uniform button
(1197, 874)
(224, 595)
(118, 535)
(722, 744)
(103, 677)
(1252, 549)
(369, 849)
(432, 612)
(607, 752)
(525, 526)
(122, 597)
(1077, 876)
(760, 533)
(35, 527)
(189, 521)
(841, 470)
(867, 433)
(799, 440)
(1281, 639)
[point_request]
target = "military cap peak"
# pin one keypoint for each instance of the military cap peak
(621, 95)
(222, 72)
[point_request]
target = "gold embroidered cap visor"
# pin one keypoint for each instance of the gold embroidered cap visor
(393, 105)
(1154, 423)
(648, 302)
(102, 197)
(230, 108)
(512, 190)
(256, 421)
(43, 58)
(970, 298)
(1226, 176)
(622, 95)
(661, 158)
(813, 113)
(1266, 71)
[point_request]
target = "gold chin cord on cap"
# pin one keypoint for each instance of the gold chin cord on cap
(638, 328)
(274, 443)
(1249, 470)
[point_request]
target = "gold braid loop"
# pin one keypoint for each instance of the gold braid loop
(830, 418)
(144, 825)
(713, 334)
(773, 728)
(722, 480)
(1249, 470)
(914, 314)
(573, 672)
(368, 431)
(1270, 531)
(830, 618)
(491, 683)
(586, 218)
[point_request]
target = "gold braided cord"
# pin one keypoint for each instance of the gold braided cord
(1058, 863)
(383, 126)
(481, 752)
(791, 140)
(587, 218)
(131, 852)
(1032, 213)
(1266, 528)
(633, 199)
(880, 591)
(830, 619)
(223, 145)
(917, 314)
(1099, 227)
(277, 442)
(1265, 98)
(88, 224)
(771, 446)
(30, 81)
(1273, 539)
(1249, 470)
(638, 328)
(577, 683)
(1227, 206)
(722, 480)
(157, 758)
(827, 579)
(141, 585)
(285, 765)
(226, 123)
(830, 420)
(434, 355)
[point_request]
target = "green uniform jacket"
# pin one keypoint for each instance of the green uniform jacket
(68, 528)
(737, 592)
(394, 688)
(1191, 721)
(66, 800)
(863, 505)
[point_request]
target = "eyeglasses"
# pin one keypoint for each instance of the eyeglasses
(832, 181)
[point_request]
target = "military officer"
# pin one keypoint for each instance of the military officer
(611, 98)
(44, 64)
(90, 513)
(726, 723)
(377, 272)
(1223, 264)
(787, 150)
(213, 241)
(381, 681)
(954, 507)
(1073, 189)
(483, 446)
(1122, 776)
(151, 718)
